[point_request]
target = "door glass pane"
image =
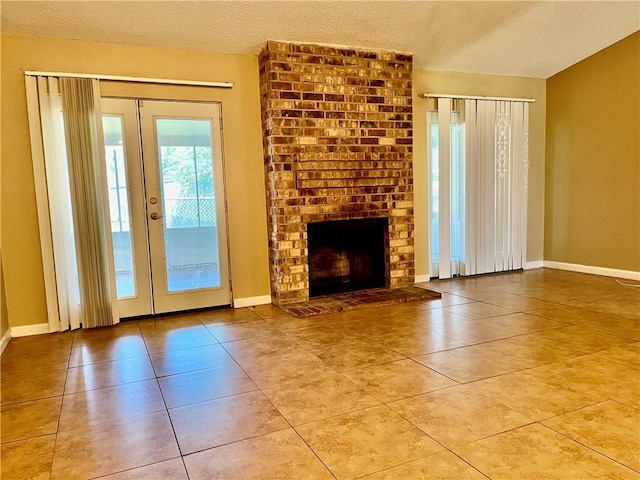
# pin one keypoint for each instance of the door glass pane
(119, 205)
(190, 227)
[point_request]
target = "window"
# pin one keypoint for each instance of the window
(478, 178)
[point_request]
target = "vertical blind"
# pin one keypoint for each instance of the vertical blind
(68, 161)
(478, 165)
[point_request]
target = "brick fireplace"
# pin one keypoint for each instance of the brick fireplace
(337, 135)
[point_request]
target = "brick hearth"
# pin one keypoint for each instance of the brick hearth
(337, 145)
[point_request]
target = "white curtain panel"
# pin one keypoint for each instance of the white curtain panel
(490, 185)
(444, 198)
(69, 169)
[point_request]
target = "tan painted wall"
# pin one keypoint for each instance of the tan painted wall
(4, 319)
(593, 160)
(242, 145)
(488, 85)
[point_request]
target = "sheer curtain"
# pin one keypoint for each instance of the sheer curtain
(479, 165)
(69, 170)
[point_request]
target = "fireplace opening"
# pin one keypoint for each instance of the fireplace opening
(347, 255)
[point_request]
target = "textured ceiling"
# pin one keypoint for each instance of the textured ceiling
(531, 39)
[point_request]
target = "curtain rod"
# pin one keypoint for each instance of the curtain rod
(472, 97)
(119, 78)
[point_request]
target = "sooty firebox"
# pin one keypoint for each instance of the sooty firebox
(347, 255)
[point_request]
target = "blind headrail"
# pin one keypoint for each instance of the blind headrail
(476, 97)
(120, 78)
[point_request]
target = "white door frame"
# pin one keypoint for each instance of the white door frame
(143, 177)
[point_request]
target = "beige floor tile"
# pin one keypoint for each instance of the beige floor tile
(520, 303)
(29, 419)
(112, 447)
(582, 339)
(190, 359)
(24, 388)
(392, 312)
(535, 452)
(267, 311)
(366, 330)
(167, 323)
(318, 396)
(516, 288)
(476, 293)
(39, 344)
(587, 387)
(366, 441)
(270, 370)
(350, 355)
(530, 393)
(93, 336)
(110, 404)
(396, 380)
(520, 323)
(226, 316)
(567, 314)
(224, 420)
(177, 339)
(108, 374)
(167, 470)
(596, 375)
(545, 340)
(608, 428)
(478, 310)
(318, 337)
(613, 306)
(438, 466)
(27, 459)
(202, 385)
(25, 363)
(276, 456)
(618, 326)
(628, 354)
(463, 330)
(239, 331)
(446, 300)
(560, 296)
(288, 323)
(419, 342)
(458, 415)
(246, 351)
(489, 359)
(629, 397)
(125, 347)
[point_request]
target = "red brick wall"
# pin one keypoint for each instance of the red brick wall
(337, 145)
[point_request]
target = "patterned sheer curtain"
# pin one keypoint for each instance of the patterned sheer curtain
(68, 158)
(479, 166)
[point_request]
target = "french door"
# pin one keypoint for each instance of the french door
(167, 205)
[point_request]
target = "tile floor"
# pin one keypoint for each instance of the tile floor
(527, 375)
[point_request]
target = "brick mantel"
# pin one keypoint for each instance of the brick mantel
(338, 134)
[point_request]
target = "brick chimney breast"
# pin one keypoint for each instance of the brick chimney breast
(338, 144)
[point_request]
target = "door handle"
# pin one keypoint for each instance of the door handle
(155, 216)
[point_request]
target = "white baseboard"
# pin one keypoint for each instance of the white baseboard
(607, 272)
(422, 278)
(251, 301)
(26, 330)
(5, 340)
(534, 264)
